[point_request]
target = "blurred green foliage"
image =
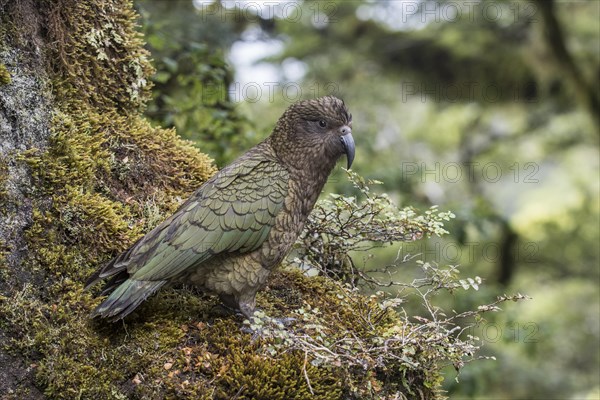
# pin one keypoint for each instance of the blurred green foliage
(488, 109)
(192, 78)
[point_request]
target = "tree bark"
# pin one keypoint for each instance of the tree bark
(24, 125)
(25, 116)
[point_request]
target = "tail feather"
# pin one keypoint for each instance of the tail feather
(118, 266)
(126, 298)
(114, 282)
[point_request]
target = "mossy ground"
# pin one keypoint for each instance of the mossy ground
(106, 178)
(177, 346)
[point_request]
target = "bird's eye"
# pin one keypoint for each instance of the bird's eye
(322, 124)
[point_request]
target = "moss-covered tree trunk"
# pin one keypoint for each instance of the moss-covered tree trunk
(81, 175)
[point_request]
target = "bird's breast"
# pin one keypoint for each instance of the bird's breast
(289, 223)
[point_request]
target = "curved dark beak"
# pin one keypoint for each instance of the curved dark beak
(348, 142)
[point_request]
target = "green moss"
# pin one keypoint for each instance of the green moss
(4, 75)
(259, 377)
(77, 358)
(350, 315)
(291, 289)
(98, 54)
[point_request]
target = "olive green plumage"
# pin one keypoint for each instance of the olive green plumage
(240, 224)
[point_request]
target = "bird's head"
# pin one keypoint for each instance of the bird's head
(316, 131)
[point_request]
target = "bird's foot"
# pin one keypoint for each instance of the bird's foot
(221, 310)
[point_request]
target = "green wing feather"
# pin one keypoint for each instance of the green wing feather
(233, 211)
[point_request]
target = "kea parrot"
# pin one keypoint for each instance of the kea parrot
(241, 223)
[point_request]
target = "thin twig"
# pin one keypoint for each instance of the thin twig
(306, 373)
